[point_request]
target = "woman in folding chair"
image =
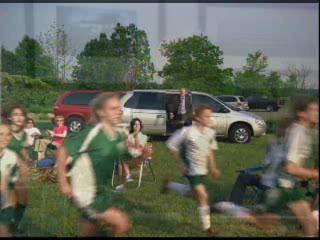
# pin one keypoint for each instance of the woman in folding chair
(139, 150)
(58, 136)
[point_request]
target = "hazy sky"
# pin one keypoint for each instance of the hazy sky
(286, 33)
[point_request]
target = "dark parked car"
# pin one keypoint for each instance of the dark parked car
(263, 102)
(74, 107)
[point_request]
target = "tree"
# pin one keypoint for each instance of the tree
(125, 57)
(195, 62)
(256, 63)
(57, 44)
(274, 85)
(253, 79)
(31, 60)
(9, 61)
(298, 77)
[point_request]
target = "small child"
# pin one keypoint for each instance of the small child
(195, 146)
(9, 172)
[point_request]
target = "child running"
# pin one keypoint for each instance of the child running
(287, 169)
(91, 155)
(195, 146)
(9, 172)
(16, 115)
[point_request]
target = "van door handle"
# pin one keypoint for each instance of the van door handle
(160, 116)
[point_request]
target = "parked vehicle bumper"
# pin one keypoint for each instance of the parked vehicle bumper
(259, 130)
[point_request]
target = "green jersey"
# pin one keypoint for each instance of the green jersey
(18, 142)
(92, 154)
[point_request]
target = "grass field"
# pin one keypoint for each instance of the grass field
(155, 214)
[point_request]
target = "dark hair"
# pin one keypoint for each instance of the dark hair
(199, 110)
(31, 119)
(282, 126)
(133, 122)
(300, 104)
(8, 109)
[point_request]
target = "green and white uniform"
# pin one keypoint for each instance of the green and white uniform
(18, 142)
(9, 174)
(194, 147)
(92, 155)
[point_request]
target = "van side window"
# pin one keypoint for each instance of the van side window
(133, 101)
(198, 100)
(151, 101)
(82, 99)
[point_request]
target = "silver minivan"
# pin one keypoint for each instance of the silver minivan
(150, 107)
(235, 101)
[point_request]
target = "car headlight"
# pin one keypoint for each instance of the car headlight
(260, 122)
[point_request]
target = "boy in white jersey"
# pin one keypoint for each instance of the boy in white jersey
(9, 174)
(299, 137)
(194, 145)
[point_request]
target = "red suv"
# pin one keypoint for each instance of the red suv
(74, 107)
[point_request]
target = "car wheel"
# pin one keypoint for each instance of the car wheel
(240, 133)
(269, 108)
(75, 124)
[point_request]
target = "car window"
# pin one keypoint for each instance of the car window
(242, 99)
(198, 100)
(151, 100)
(231, 99)
(133, 101)
(82, 99)
(222, 98)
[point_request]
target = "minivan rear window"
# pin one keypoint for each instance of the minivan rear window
(242, 99)
(82, 99)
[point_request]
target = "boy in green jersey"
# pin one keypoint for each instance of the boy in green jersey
(91, 155)
(16, 115)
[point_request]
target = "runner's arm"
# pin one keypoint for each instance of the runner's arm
(62, 156)
(294, 169)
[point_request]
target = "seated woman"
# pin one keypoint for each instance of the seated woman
(58, 135)
(31, 131)
(137, 145)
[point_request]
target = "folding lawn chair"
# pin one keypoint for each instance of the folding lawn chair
(47, 171)
(256, 190)
(144, 163)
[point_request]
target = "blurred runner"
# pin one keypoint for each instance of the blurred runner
(195, 146)
(91, 155)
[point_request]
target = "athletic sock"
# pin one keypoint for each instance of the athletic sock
(181, 189)
(204, 213)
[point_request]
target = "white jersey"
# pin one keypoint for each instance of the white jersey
(299, 144)
(9, 175)
(30, 132)
(195, 147)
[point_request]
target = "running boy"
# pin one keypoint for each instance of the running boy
(9, 172)
(195, 145)
(16, 115)
(91, 155)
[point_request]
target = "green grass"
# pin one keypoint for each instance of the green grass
(154, 214)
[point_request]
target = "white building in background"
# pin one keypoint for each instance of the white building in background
(287, 33)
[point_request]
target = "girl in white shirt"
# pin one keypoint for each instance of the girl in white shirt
(31, 131)
(137, 141)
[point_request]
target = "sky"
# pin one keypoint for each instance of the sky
(287, 33)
